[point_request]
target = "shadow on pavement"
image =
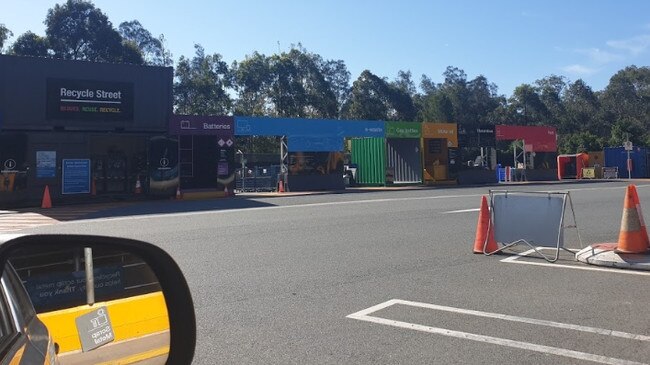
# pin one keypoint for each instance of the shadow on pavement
(174, 206)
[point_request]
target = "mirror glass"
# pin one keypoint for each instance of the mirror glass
(85, 305)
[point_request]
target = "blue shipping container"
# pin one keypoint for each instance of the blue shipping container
(617, 157)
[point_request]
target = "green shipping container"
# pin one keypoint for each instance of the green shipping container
(369, 154)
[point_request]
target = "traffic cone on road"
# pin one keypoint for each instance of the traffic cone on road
(485, 242)
(633, 236)
(225, 191)
(179, 195)
(281, 186)
(46, 203)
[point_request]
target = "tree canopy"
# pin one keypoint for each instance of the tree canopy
(300, 83)
(5, 34)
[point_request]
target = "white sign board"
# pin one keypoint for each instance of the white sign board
(628, 145)
(94, 329)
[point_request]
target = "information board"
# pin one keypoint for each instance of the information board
(76, 176)
(45, 164)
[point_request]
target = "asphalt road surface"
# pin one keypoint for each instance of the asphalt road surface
(390, 278)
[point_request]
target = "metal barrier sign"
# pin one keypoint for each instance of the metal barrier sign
(533, 218)
(94, 329)
(610, 172)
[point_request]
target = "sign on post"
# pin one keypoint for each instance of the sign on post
(628, 145)
(94, 329)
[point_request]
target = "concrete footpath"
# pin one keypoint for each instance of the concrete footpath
(603, 254)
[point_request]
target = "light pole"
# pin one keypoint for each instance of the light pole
(243, 168)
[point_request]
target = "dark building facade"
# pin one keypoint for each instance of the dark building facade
(80, 128)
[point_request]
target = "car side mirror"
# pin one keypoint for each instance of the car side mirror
(95, 299)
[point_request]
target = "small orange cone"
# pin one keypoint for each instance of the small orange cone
(281, 186)
(484, 231)
(138, 186)
(633, 236)
(47, 202)
(225, 191)
(179, 195)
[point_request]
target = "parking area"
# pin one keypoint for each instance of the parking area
(603, 346)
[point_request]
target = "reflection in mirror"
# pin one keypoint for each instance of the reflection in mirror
(98, 304)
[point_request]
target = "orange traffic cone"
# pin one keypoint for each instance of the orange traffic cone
(633, 236)
(179, 195)
(485, 242)
(138, 186)
(47, 202)
(225, 191)
(281, 186)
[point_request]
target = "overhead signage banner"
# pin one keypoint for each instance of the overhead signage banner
(539, 138)
(403, 130)
(202, 125)
(360, 128)
(446, 131)
(300, 127)
(89, 100)
(315, 144)
(476, 136)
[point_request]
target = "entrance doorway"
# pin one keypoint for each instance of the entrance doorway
(118, 162)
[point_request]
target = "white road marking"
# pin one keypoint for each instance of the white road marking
(514, 259)
(364, 315)
(462, 211)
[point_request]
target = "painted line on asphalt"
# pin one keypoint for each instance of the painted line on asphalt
(515, 259)
(364, 315)
(462, 211)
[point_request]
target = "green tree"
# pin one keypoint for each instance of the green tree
(77, 30)
(4, 35)
(482, 100)
(455, 88)
(435, 107)
(583, 111)
(528, 107)
(551, 90)
(338, 77)
(404, 82)
(252, 80)
(579, 142)
(374, 98)
(368, 98)
(152, 48)
(298, 86)
(201, 85)
(30, 44)
(626, 104)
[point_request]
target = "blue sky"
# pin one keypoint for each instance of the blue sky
(509, 42)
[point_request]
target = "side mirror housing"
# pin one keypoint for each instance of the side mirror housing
(27, 254)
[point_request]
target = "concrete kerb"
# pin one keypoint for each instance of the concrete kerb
(367, 189)
(603, 255)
